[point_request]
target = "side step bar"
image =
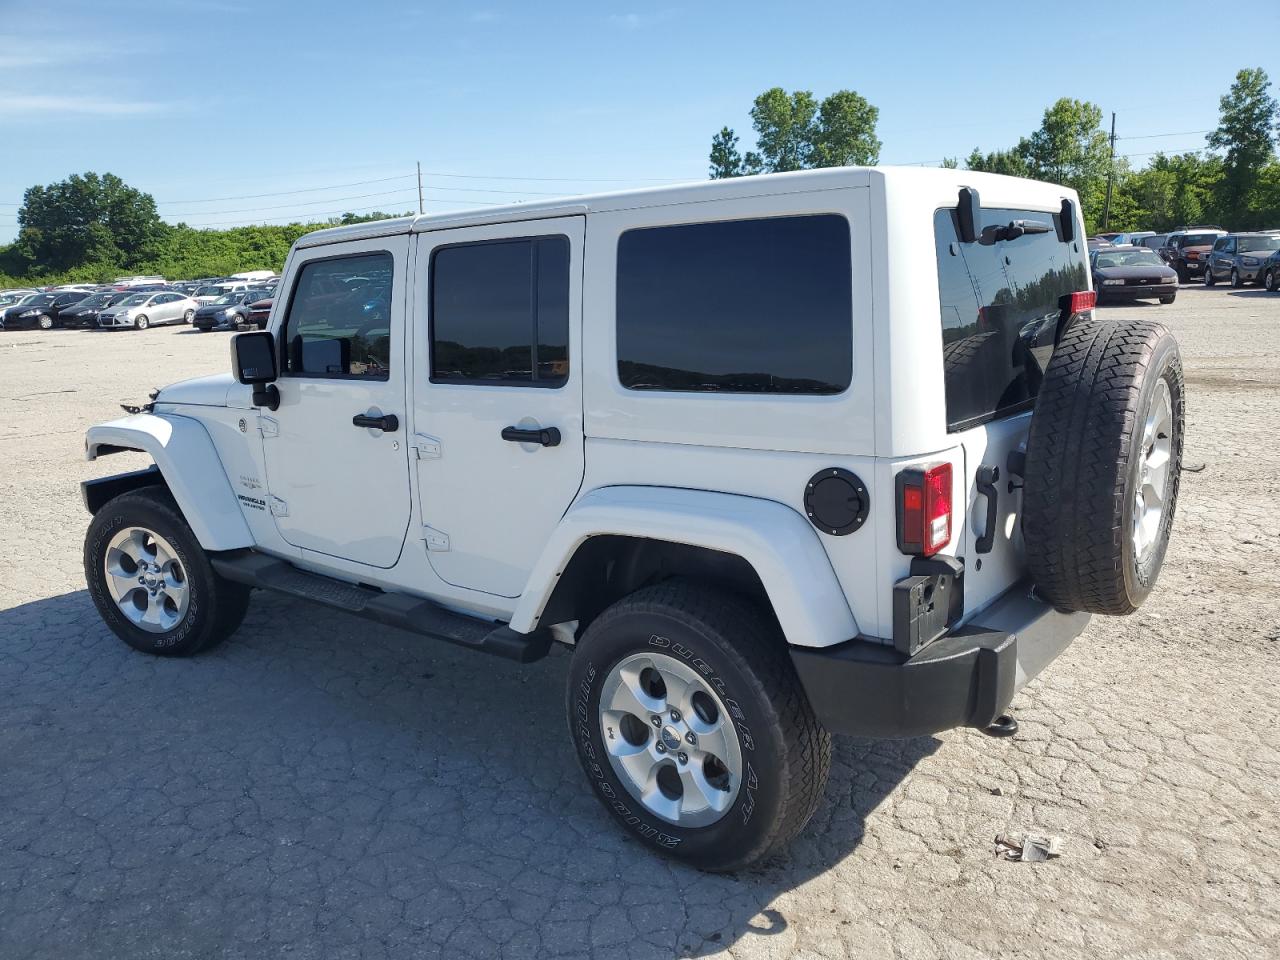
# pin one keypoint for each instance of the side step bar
(394, 609)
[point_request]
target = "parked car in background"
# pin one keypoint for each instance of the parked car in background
(43, 310)
(1155, 241)
(86, 312)
(9, 297)
(253, 276)
(1095, 243)
(124, 283)
(1187, 249)
(1271, 272)
(212, 291)
(1132, 273)
(1133, 238)
(259, 313)
(227, 312)
(1238, 257)
(144, 310)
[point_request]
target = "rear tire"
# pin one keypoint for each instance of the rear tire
(1184, 276)
(697, 642)
(1103, 461)
(186, 317)
(191, 608)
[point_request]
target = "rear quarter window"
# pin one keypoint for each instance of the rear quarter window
(1000, 303)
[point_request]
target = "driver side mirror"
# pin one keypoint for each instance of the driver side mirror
(253, 361)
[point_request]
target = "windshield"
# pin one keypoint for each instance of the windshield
(1128, 258)
(1257, 244)
(228, 298)
(135, 300)
(40, 300)
(97, 300)
(209, 292)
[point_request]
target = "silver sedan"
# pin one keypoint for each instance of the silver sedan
(144, 310)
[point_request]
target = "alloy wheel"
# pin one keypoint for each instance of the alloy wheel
(670, 739)
(146, 580)
(1152, 489)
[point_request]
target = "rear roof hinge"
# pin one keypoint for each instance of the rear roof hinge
(437, 540)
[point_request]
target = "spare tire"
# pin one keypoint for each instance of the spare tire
(1102, 467)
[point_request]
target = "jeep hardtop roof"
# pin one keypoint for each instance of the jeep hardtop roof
(995, 190)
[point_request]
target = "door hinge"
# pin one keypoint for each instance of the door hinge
(268, 426)
(278, 507)
(437, 540)
(427, 448)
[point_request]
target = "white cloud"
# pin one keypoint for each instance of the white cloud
(634, 21)
(19, 104)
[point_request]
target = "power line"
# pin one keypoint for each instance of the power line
(331, 213)
(288, 193)
(1155, 136)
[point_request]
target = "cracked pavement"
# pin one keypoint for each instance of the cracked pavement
(319, 787)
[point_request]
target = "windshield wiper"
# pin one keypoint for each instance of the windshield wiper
(1014, 229)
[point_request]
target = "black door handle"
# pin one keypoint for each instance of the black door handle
(388, 422)
(547, 436)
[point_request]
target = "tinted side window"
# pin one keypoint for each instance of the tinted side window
(1000, 307)
(339, 321)
(745, 306)
(500, 312)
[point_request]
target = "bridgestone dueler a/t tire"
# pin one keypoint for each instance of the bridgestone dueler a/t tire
(1083, 461)
(786, 752)
(216, 606)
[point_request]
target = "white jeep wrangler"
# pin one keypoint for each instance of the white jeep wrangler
(833, 452)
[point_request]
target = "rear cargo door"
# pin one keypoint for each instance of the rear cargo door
(1000, 302)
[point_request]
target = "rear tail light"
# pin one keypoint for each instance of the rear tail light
(924, 509)
(1082, 301)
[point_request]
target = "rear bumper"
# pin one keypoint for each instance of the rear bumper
(966, 679)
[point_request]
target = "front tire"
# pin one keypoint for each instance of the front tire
(151, 580)
(692, 727)
(141, 322)
(1168, 299)
(44, 322)
(1236, 282)
(1209, 278)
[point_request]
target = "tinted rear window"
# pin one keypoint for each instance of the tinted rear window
(1000, 305)
(1199, 239)
(741, 306)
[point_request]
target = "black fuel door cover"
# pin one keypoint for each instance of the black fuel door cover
(836, 501)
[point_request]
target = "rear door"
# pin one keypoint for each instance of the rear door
(497, 395)
(1001, 303)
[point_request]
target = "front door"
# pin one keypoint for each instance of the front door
(497, 395)
(337, 464)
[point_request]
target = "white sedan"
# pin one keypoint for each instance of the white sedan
(144, 310)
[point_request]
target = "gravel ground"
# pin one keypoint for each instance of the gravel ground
(317, 788)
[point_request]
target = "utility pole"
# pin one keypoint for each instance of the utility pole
(1111, 172)
(1113, 150)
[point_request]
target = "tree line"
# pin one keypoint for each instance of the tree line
(91, 227)
(1235, 181)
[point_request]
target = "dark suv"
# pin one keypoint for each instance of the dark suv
(1187, 249)
(1239, 257)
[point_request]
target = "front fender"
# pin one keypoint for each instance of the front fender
(778, 542)
(182, 449)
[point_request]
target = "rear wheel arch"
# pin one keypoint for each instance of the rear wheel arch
(608, 567)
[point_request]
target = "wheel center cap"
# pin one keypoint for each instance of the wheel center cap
(670, 737)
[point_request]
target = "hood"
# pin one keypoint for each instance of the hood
(202, 391)
(1135, 272)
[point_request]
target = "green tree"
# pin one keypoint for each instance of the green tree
(726, 161)
(1071, 148)
(88, 219)
(796, 132)
(1246, 133)
(1011, 163)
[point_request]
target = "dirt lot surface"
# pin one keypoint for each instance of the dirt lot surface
(318, 788)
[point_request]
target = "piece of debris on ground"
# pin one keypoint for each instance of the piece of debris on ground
(1032, 848)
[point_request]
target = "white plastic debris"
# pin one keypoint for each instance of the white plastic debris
(1032, 848)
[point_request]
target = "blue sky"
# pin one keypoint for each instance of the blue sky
(193, 100)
